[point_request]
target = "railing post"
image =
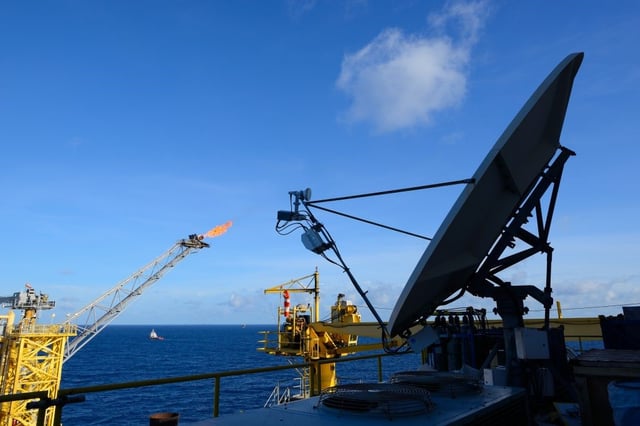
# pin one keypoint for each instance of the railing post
(216, 397)
(379, 369)
(57, 416)
(312, 379)
(42, 413)
(319, 370)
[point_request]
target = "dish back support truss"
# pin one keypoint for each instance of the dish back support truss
(486, 283)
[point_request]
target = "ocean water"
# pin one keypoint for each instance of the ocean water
(125, 353)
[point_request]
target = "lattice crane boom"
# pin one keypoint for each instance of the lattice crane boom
(95, 316)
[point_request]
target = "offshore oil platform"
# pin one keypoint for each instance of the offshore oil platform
(32, 354)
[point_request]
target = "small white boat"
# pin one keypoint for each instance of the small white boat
(154, 336)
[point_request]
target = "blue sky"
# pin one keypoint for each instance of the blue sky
(128, 125)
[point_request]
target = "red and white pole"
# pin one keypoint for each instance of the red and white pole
(287, 303)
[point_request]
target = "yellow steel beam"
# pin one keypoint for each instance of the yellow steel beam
(586, 328)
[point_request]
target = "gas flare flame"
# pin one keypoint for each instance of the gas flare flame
(217, 231)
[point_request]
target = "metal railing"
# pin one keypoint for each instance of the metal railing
(40, 396)
(41, 401)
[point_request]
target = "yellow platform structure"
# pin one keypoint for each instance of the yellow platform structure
(31, 357)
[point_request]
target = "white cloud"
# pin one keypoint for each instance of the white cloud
(466, 17)
(398, 80)
(297, 8)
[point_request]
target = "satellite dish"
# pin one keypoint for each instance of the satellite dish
(505, 178)
(307, 194)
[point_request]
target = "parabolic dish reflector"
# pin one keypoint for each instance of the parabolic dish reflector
(503, 180)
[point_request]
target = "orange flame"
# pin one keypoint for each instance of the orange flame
(218, 230)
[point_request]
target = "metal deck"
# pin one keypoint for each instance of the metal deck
(494, 405)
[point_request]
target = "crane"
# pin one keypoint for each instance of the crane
(32, 354)
(303, 334)
(95, 316)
